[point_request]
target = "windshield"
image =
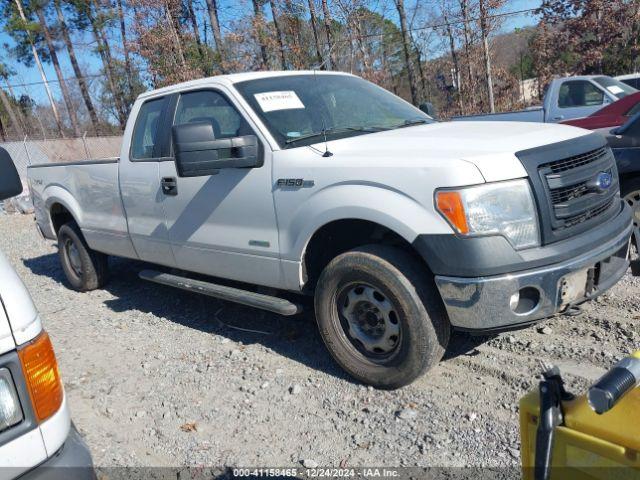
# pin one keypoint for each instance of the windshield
(300, 109)
(615, 87)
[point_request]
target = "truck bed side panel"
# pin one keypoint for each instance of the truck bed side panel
(90, 191)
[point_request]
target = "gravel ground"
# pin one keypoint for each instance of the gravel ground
(159, 377)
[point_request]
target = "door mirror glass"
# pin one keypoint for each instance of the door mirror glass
(10, 184)
(199, 153)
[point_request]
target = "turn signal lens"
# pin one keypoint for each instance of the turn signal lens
(41, 373)
(450, 205)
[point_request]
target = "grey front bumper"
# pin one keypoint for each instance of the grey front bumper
(73, 460)
(483, 303)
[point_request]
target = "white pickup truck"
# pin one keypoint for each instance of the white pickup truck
(324, 184)
(565, 99)
(37, 439)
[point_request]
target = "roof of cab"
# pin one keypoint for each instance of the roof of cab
(234, 78)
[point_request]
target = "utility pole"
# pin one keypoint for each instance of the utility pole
(36, 57)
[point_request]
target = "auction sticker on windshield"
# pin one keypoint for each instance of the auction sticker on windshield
(284, 100)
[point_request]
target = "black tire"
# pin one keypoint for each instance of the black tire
(399, 278)
(630, 191)
(84, 268)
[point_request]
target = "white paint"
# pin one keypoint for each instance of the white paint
(56, 429)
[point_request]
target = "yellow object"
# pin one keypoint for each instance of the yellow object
(587, 446)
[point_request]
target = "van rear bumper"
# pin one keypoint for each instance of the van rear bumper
(501, 302)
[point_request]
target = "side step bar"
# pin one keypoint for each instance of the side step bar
(245, 297)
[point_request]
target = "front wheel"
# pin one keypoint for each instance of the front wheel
(630, 191)
(84, 268)
(380, 316)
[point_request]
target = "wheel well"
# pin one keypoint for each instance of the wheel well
(59, 216)
(341, 236)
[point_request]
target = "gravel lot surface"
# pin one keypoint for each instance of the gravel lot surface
(156, 376)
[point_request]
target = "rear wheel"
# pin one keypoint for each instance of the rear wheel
(84, 268)
(380, 316)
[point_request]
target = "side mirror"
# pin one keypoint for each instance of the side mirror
(428, 108)
(10, 184)
(198, 153)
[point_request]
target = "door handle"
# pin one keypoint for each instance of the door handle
(559, 117)
(169, 186)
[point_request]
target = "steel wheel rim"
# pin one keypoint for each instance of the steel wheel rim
(633, 200)
(73, 254)
(369, 321)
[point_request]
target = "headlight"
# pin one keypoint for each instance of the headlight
(500, 208)
(10, 411)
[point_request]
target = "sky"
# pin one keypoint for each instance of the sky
(28, 81)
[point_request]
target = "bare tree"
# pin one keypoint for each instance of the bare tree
(275, 13)
(12, 115)
(212, 9)
(258, 28)
(104, 51)
(484, 28)
(36, 58)
(82, 82)
(314, 26)
(406, 47)
(327, 28)
(53, 55)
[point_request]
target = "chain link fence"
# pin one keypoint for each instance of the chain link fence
(33, 152)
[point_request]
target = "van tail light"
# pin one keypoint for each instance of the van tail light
(41, 373)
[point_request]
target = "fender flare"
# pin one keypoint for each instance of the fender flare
(56, 194)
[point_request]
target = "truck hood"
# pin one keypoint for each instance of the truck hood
(19, 320)
(490, 146)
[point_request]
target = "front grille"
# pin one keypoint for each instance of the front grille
(575, 161)
(572, 189)
(566, 180)
(564, 194)
(589, 214)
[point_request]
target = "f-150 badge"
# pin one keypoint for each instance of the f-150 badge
(294, 182)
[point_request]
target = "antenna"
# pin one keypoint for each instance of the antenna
(326, 153)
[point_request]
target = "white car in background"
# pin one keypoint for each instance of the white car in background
(631, 79)
(37, 439)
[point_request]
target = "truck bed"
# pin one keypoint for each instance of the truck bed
(89, 191)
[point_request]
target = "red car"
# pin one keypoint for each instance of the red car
(610, 116)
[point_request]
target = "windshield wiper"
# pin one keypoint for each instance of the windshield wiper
(411, 123)
(329, 131)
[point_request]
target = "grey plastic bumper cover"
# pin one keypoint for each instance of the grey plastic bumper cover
(483, 303)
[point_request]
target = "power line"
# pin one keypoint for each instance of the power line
(432, 26)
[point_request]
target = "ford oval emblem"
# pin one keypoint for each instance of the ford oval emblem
(604, 180)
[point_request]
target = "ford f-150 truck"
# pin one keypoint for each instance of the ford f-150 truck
(37, 439)
(566, 98)
(324, 184)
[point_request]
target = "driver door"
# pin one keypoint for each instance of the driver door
(222, 224)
